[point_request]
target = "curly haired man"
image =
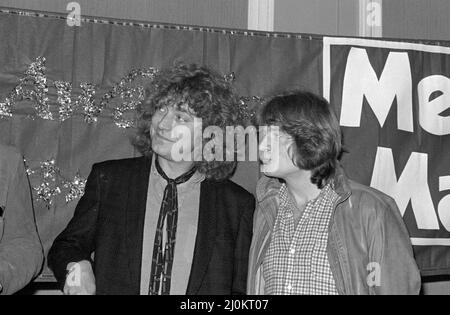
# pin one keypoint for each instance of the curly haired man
(160, 225)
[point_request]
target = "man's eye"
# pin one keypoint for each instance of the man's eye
(180, 118)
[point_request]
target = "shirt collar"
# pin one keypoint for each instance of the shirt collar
(195, 179)
(287, 199)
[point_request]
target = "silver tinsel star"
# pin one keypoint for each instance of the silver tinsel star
(76, 188)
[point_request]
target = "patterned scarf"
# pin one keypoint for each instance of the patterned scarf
(163, 258)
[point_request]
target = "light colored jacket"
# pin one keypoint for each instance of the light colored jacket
(369, 249)
(21, 254)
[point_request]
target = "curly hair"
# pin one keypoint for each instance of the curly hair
(206, 93)
(311, 122)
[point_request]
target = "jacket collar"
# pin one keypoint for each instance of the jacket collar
(268, 188)
(137, 183)
(341, 183)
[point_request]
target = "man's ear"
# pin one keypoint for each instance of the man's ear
(291, 152)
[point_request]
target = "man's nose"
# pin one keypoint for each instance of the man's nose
(165, 122)
(263, 145)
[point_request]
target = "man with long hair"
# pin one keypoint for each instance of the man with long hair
(159, 224)
(316, 232)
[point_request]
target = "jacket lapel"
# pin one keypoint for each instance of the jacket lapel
(206, 234)
(135, 215)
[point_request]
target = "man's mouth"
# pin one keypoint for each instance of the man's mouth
(265, 159)
(159, 135)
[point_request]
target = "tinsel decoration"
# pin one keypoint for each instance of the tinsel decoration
(130, 96)
(36, 72)
(231, 77)
(34, 75)
(247, 107)
(76, 188)
(52, 183)
(48, 188)
(6, 107)
(86, 101)
(64, 91)
(123, 97)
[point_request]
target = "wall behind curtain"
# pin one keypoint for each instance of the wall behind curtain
(331, 17)
(413, 19)
(218, 13)
(417, 19)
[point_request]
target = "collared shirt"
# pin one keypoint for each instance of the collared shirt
(296, 261)
(188, 210)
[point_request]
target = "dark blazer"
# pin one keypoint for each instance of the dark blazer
(109, 220)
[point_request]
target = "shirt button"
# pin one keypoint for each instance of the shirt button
(289, 287)
(292, 251)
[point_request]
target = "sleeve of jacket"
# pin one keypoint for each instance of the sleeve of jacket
(393, 269)
(242, 249)
(21, 253)
(77, 242)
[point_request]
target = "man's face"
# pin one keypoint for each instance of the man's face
(170, 126)
(274, 153)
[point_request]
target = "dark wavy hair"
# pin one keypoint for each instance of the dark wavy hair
(312, 123)
(207, 94)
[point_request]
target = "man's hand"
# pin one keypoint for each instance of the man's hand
(80, 279)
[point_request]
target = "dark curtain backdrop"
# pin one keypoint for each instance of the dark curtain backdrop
(102, 53)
